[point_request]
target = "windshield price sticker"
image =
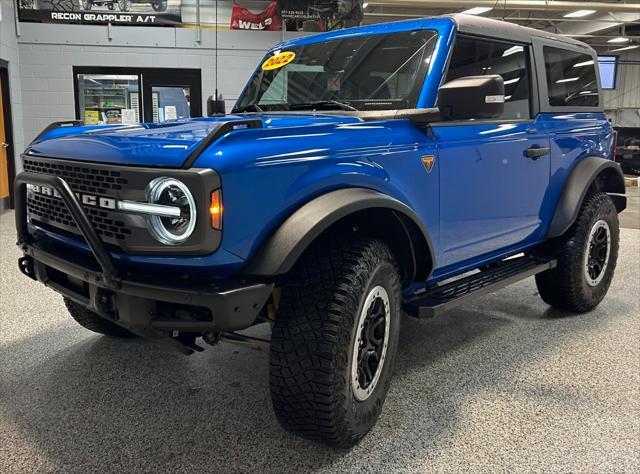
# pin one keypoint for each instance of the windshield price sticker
(279, 60)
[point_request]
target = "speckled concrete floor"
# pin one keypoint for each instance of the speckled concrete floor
(501, 385)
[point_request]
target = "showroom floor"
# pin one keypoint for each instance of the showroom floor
(503, 384)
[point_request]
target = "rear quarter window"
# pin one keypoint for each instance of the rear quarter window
(571, 78)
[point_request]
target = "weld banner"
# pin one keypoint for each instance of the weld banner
(243, 19)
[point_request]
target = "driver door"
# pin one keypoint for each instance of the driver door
(492, 194)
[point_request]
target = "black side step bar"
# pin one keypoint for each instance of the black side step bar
(439, 298)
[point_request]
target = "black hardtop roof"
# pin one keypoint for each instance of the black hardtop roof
(478, 25)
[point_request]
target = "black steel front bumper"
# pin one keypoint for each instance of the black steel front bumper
(148, 307)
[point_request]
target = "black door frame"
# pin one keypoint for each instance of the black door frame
(8, 125)
(147, 77)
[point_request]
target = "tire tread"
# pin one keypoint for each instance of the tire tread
(310, 345)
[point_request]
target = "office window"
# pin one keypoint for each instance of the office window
(608, 66)
(571, 78)
(478, 57)
(109, 98)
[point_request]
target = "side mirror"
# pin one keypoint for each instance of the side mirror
(215, 105)
(479, 97)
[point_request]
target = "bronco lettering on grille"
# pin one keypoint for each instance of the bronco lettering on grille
(86, 199)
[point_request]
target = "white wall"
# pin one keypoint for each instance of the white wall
(623, 102)
(48, 52)
(9, 52)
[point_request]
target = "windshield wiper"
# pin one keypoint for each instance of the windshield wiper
(247, 108)
(322, 103)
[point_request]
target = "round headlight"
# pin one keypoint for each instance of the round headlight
(171, 192)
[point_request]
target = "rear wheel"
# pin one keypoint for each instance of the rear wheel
(587, 256)
(335, 339)
(95, 323)
(159, 5)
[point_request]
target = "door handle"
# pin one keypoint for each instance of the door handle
(536, 152)
(4, 145)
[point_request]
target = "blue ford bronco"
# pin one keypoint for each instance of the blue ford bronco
(400, 167)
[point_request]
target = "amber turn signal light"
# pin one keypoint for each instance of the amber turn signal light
(216, 209)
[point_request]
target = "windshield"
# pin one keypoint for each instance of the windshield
(374, 72)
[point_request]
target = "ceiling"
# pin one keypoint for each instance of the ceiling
(609, 19)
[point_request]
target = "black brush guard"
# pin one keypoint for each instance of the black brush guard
(133, 304)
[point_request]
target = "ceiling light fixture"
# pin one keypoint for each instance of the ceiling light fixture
(365, 5)
(579, 13)
(477, 10)
(568, 79)
(513, 50)
(626, 48)
(619, 39)
(585, 63)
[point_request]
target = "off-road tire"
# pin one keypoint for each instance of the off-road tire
(87, 5)
(565, 287)
(315, 334)
(57, 5)
(95, 323)
(124, 5)
(159, 5)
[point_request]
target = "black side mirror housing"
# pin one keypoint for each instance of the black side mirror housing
(472, 97)
(215, 106)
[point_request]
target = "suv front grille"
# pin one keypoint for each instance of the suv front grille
(98, 183)
(53, 211)
(81, 178)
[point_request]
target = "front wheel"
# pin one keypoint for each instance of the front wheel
(95, 323)
(587, 257)
(335, 340)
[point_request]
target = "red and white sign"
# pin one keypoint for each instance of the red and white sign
(243, 19)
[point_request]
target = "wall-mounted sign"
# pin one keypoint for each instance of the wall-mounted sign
(321, 9)
(243, 19)
(102, 12)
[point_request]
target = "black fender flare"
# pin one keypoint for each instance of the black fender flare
(280, 251)
(583, 176)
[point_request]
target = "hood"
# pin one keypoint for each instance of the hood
(166, 144)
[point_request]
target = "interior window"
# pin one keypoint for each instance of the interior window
(478, 57)
(571, 78)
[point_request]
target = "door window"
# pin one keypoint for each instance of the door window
(479, 57)
(571, 78)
